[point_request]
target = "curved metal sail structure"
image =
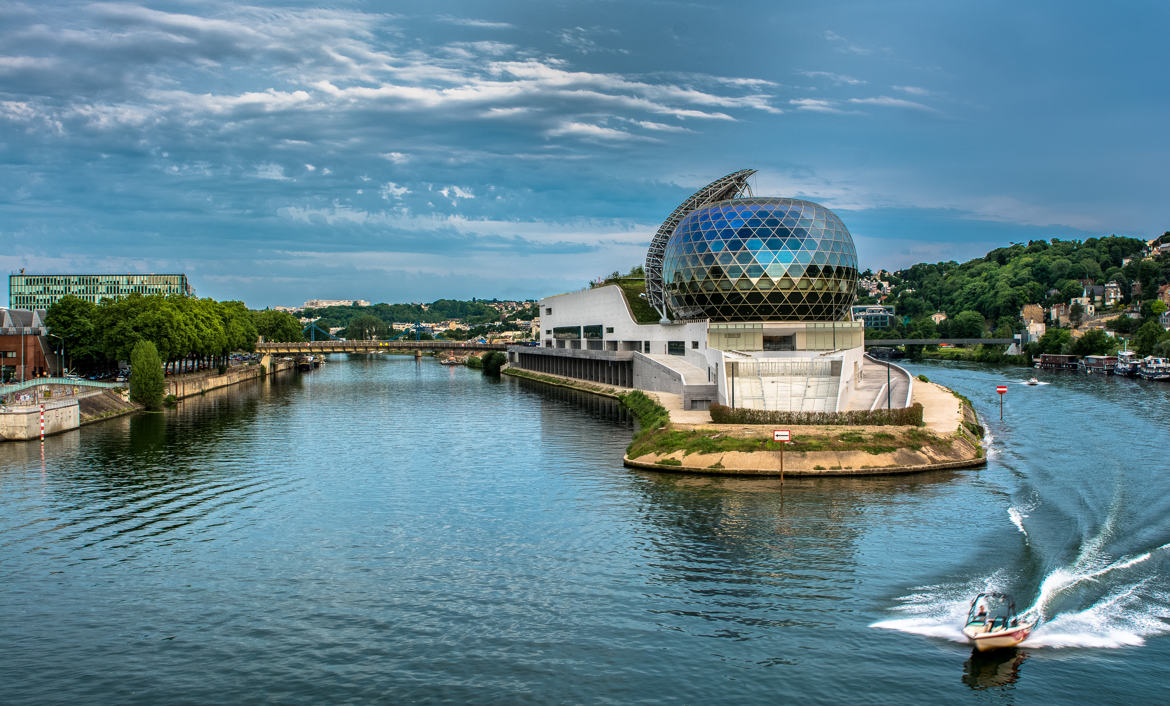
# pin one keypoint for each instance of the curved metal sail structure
(728, 187)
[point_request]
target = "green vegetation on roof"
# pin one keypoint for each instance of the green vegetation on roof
(633, 285)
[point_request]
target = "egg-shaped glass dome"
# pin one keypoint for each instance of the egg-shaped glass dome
(761, 259)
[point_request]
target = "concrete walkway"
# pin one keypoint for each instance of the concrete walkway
(691, 375)
(870, 392)
(941, 410)
(678, 415)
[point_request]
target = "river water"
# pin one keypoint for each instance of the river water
(392, 530)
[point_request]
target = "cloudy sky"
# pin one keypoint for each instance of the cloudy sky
(410, 151)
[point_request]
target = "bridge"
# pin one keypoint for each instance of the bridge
(323, 347)
(937, 341)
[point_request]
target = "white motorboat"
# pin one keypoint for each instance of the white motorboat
(1032, 381)
(993, 624)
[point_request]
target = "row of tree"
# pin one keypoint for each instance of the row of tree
(186, 332)
(375, 320)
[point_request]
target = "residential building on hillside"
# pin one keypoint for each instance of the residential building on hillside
(1031, 313)
(1112, 294)
(41, 291)
(938, 317)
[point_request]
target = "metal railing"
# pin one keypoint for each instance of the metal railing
(37, 382)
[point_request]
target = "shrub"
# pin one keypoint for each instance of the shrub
(909, 416)
(146, 383)
(923, 378)
(492, 362)
(475, 363)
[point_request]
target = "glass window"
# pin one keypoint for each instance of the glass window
(676, 348)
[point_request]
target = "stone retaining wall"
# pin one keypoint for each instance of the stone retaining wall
(24, 423)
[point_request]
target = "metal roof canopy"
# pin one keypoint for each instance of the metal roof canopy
(728, 187)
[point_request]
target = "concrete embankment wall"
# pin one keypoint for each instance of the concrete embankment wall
(24, 423)
(196, 384)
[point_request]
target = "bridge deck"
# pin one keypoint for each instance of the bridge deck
(936, 341)
(373, 346)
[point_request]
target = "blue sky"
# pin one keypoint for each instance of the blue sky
(410, 151)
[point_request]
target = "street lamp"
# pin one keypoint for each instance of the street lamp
(61, 362)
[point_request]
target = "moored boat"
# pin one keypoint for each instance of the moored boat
(1056, 361)
(1127, 364)
(1152, 368)
(992, 623)
(1101, 364)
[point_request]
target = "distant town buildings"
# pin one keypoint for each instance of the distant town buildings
(322, 303)
(41, 291)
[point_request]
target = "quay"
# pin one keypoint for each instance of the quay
(69, 404)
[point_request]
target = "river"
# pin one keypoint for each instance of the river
(392, 530)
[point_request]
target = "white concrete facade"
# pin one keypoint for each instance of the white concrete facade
(796, 366)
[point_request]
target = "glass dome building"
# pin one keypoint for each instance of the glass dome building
(760, 259)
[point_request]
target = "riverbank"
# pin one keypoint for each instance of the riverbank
(66, 413)
(687, 441)
(191, 384)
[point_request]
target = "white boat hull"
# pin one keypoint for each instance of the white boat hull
(997, 639)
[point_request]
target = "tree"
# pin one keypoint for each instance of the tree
(72, 319)
(146, 375)
(366, 327)
(279, 326)
(492, 362)
(967, 324)
(1076, 314)
(1147, 337)
(1094, 342)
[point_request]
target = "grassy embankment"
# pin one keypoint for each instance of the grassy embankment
(657, 438)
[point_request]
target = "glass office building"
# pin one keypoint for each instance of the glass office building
(761, 259)
(41, 291)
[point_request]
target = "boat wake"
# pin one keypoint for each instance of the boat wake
(940, 610)
(1017, 517)
(1130, 610)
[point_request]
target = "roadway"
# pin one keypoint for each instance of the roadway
(323, 347)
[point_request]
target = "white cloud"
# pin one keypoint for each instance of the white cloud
(471, 22)
(660, 127)
(839, 79)
(310, 168)
(845, 45)
(815, 105)
(581, 39)
(455, 192)
(912, 90)
(588, 130)
(594, 233)
(395, 157)
(391, 190)
(271, 171)
(505, 112)
(887, 101)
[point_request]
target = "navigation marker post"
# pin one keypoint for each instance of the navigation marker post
(42, 422)
(782, 436)
(1002, 390)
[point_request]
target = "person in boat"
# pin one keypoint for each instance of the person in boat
(981, 616)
